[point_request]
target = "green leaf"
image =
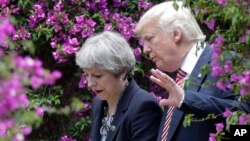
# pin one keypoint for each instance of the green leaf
(76, 104)
(187, 120)
(176, 6)
(248, 39)
(138, 68)
(205, 69)
(66, 110)
(30, 118)
(29, 46)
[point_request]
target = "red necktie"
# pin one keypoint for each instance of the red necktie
(180, 81)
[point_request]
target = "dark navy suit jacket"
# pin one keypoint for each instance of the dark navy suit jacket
(201, 101)
(137, 117)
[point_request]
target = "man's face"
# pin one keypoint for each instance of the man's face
(160, 47)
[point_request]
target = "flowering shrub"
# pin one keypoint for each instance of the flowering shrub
(17, 74)
(51, 32)
(47, 34)
(227, 24)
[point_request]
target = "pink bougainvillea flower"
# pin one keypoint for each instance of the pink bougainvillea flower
(222, 2)
(219, 127)
(227, 113)
(244, 119)
(66, 138)
(40, 111)
(108, 27)
(26, 130)
(137, 52)
(212, 137)
(74, 42)
(228, 66)
(221, 85)
(210, 24)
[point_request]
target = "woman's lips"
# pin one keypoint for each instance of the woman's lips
(98, 91)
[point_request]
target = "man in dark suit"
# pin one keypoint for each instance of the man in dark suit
(173, 40)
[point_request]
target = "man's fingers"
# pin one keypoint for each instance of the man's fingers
(164, 102)
(164, 78)
(157, 81)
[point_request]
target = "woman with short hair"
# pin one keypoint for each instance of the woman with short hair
(122, 111)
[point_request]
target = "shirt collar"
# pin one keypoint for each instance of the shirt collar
(192, 58)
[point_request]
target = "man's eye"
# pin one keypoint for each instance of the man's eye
(149, 39)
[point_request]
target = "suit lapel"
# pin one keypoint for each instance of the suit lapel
(196, 75)
(122, 108)
(198, 79)
(97, 122)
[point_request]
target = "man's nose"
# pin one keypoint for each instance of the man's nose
(146, 49)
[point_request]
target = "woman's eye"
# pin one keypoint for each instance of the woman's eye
(98, 76)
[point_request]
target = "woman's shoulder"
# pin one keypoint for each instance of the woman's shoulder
(143, 96)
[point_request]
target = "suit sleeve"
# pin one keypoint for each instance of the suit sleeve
(146, 121)
(202, 104)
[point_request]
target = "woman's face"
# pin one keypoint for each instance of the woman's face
(104, 83)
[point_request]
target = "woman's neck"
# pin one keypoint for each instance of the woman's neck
(113, 103)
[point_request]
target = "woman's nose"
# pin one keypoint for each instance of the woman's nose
(91, 82)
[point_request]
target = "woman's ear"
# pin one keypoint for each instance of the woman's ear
(177, 35)
(123, 76)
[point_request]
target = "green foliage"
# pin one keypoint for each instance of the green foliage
(29, 118)
(205, 69)
(138, 68)
(76, 104)
(42, 32)
(29, 46)
(232, 23)
(188, 120)
(45, 96)
(81, 126)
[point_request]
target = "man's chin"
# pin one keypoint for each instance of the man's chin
(164, 68)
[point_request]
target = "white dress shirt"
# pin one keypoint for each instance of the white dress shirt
(190, 61)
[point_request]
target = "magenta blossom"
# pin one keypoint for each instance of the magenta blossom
(243, 39)
(26, 130)
(108, 27)
(228, 66)
(210, 24)
(74, 42)
(83, 82)
(219, 40)
(227, 113)
(36, 82)
(244, 119)
(219, 127)
(212, 137)
(40, 111)
(222, 2)
(216, 69)
(221, 85)
(6, 29)
(79, 19)
(137, 52)
(66, 138)
(243, 91)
